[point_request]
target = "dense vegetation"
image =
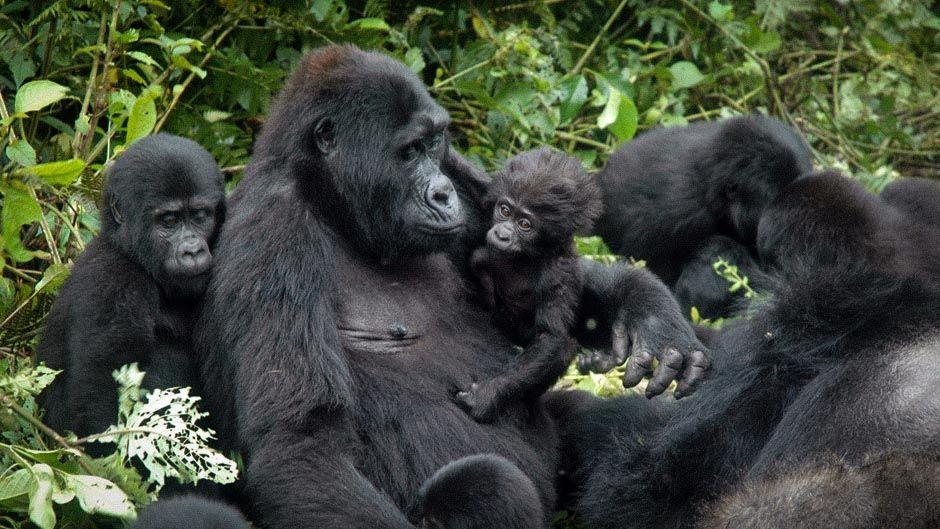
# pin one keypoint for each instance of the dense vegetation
(82, 79)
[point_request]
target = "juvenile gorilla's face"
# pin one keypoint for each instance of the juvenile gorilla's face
(180, 235)
(513, 228)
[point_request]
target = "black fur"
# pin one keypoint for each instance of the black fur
(189, 512)
(480, 492)
(132, 295)
(529, 272)
(700, 286)
(841, 362)
(667, 192)
(337, 326)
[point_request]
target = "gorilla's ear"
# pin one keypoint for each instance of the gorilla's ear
(115, 210)
(324, 135)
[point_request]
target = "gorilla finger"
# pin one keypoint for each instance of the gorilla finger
(694, 372)
(667, 371)
(619, 342)
(640, 365)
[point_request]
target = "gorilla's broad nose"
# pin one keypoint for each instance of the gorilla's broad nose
(502, 234)
(441, 195)
(194, 256)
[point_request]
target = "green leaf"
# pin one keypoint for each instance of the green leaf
(19, 209)
(142, 119)
(36, 95)
(415, 60)
(21, 152)
(321, 8)
(61, 173)
(53, 277)
(685, 74)
(761, 41)
(22, 67)
(375, 24)
(574, 93)
(721, 12)
(15, 484)
(624, 127)
(142, 57)
(41, 512)
(611, 108)
(7, 291)
(100, 496)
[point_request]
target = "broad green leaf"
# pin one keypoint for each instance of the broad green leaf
(61, 173)
(624, 127)
(685, 74)
(41, 512)
(761, 41)
(415, 60)
(321, 8)
(15, 484)
(100, 496)
(19, 209)
(21, 152)
(142, 119)
(721, 12)
(36, 95)
(611, 108)
(22, 67)
(142, 57)
(53, 277)
(574, 92)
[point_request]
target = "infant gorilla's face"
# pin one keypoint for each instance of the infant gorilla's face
(513, 228)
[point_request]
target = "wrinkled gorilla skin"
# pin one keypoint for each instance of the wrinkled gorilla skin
(189, 512)
(829, 384)
(132, 295)
(337, 327)
(667, 192)
(480, 492)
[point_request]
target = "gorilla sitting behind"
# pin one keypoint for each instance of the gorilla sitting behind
(668, 192)
(824, 395)
(132, 295)
(337, 327)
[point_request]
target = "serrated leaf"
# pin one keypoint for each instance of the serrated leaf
(100, 496)
(142, 119)
(36, 95)
(21, 152)
(142, 57)
(19, 209)
(53, 277)
(685, 74)
(574, 93)
(61, 173)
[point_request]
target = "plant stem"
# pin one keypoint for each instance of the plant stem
(7, 401)
(590, 51)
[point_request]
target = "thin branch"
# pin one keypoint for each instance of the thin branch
(590, 51)
(7, 401)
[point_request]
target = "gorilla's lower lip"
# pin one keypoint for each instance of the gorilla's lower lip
(440, 229)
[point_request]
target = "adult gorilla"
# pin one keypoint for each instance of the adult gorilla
(337, 327)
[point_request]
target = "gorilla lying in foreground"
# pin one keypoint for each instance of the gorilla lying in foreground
(822, 408)
(189, 512)
(132, 295)
(337, 328)
(678, 197)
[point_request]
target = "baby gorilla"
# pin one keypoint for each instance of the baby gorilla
(480, 492)
(529, 272)
(132, 294)
(190, 512)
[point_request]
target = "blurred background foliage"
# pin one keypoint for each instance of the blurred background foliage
(80, 80)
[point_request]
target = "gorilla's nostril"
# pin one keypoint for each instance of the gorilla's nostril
(441, 196)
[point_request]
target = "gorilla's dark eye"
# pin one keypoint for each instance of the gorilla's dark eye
(412, 150)
(504, 211)
(435, 141)
(524, 224)
(201, 214)
(168, 219)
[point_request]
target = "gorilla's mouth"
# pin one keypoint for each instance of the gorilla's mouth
(442, 228)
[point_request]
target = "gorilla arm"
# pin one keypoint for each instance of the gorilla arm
(644, 322)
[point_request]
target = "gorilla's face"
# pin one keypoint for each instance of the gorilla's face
(384, 162)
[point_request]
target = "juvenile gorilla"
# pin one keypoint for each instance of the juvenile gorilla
(480, 492)
(818, 402)
(132, 295)
(336, 327)
(670, 190)
(530, 274)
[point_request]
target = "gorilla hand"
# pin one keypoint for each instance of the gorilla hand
(680, 355)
